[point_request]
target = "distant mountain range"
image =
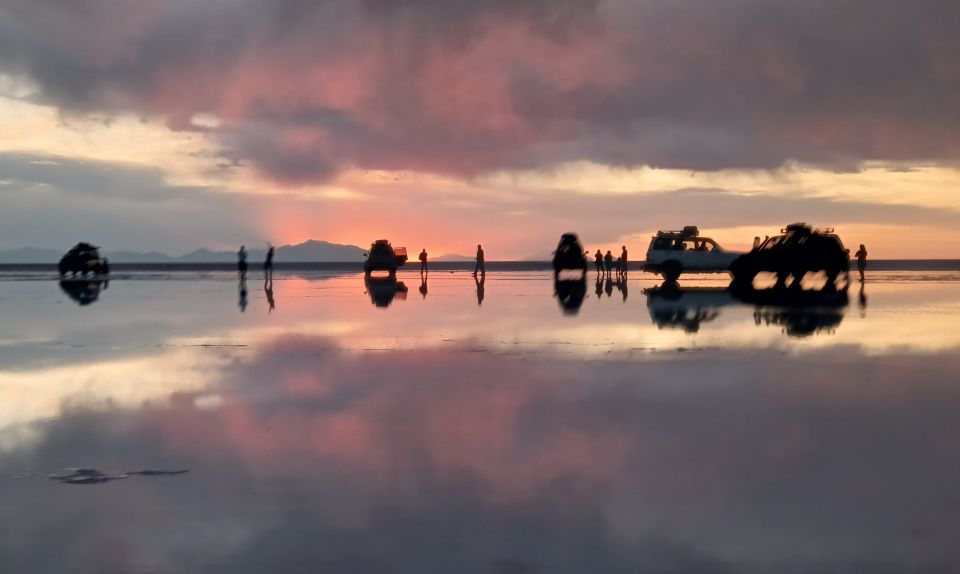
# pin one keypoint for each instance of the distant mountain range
(310, 251)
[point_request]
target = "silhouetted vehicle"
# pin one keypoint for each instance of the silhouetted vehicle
(672, 253)
(383, 290)
(83, 291)
(799, 250)
(569, 254)
(570, 294)
(82, 259)
(384, 257)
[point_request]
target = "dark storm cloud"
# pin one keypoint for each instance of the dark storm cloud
(468, 86)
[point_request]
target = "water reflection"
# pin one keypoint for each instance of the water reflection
(570, 293)
(800, 312)
(83, 291)
(383, 290)
(448, 461)
(480, 280)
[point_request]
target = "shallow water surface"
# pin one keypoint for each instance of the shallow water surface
(184, 422)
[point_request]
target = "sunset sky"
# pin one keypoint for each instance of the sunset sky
(179, 124)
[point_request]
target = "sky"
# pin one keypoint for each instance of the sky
(441, 124)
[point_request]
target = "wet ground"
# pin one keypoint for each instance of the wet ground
(185, 422)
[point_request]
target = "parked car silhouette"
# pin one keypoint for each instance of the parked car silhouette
(569, 254)
(799, 250)
(82, 259)
(672, 253)
(384, 257)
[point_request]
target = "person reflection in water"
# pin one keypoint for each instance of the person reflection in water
(268, 290)
(481, 267)
(268, 262)
(863, 298)
(242, 262)
(423, 262)
(243, 291)
(599, 285)
(423, 285)
(598, 260)
(608, 287)
(861, 256)
(480, 279)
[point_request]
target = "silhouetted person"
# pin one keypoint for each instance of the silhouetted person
(242, 262)
(268, 263)
(268, 290)
(608, 261)
(105, 267)
(423, 261)
(481, 267)
(423, 285)
(480, 281)
(861, 256)
(756, 243)
(243, 291)
(598, 259)
(623, 259)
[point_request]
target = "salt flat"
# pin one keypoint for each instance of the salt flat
(465, 427)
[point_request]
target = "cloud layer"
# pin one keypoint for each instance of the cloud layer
(305, 89)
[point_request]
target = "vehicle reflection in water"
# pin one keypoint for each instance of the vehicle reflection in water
(383, 290)
(799, 312)
(83, 291)
(570, 294)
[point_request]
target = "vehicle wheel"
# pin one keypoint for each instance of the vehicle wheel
(671, 271)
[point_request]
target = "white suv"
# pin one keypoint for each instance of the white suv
(672, 253)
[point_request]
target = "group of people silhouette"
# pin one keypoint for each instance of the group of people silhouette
(605, 264)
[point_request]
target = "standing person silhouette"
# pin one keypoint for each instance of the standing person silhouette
(242, 262)
(268, 262)
(623, 259)
(481, 267)
(861, 256)
(598, 260)
(423, 261)
(608, 261)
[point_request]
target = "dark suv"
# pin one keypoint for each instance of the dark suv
(82, 259)
(384, 257)
(799, 250)
(569, 254)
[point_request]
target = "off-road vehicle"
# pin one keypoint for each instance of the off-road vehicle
(672, 253)
(384, 257)
(82, 259)
(569, 254)
(798, 250)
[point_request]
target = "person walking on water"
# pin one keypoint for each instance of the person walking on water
(423, 261)
(608, 261)
(861, 256)
(481, 267)
(242, 261)
(598, 259)
(268, 262)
